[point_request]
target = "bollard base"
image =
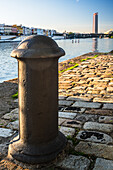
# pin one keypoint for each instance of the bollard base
(36, 154)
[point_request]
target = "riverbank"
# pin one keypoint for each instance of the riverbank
(85, 114)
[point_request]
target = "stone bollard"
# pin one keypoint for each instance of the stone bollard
(39, 140)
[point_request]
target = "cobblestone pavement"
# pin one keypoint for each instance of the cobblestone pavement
(91, 81)
(85, 117)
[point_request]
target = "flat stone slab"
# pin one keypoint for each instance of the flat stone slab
(3, 150)
(86, 117)
(74, 98)
(79, 98)
(72, 123)
(3, 122)
(74, 109)
(106, 119)
(61, 120)
(15, 111)
(61, 97)
(98, 150)
(65, 103)
(93, 136)
(67, 131)
(14, 125)
(108, 106)
(10, 116)
(104, 100)
(4, 133)
(68, 115)
(99, 112)
(103, 164)
(98, 126)
(87, 105)
(73, 162)
(13, 115)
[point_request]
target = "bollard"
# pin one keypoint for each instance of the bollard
(39, 139)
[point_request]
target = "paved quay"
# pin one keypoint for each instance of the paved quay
(85, 117)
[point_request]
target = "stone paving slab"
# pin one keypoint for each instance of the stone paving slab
(60, 121)
(86, 117)
(98, 126)
(74, 109)
(99, 112)
(68, 115)
(94, 136)
(67, 131)
(14, 125)
(5, 133)
(108, 106)
(72, 123)
(65, 103)
(103, 164)
(106, 119)
(87, 105)
(75, 163)
(98, 150)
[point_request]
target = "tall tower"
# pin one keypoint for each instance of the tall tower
(95, 23)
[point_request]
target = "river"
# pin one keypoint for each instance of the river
(73, 48)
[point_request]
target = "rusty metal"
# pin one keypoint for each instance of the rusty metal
(39, 139)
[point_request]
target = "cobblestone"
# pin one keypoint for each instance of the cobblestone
(4, 133)
(106, 119)
(14, 125)
(103, 164)
(94, 136)
(67, 131)
(75, 162)
(68, 115)
(72, 123)
(95, 149)
(108, 106)
(98, 126)
(87, 105)
(65, 103)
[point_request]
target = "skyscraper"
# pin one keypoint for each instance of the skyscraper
(95, 23)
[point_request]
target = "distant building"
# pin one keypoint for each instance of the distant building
(40, 31)
(95, 23)
(14, 30)
(2, 29)
(7, 29)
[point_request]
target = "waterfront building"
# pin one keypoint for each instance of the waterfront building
(14, 30)
(53, 32)
(20, 29)
(34, 31)
(40, 31)
(95, 23)
(26, 30)
(7, 29)
(2, 29)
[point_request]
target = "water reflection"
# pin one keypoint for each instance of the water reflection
(95, 45)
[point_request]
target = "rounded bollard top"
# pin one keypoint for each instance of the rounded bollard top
(38, 46)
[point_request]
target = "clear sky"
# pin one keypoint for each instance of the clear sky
(61, 15)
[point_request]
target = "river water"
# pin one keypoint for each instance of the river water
(73, 48)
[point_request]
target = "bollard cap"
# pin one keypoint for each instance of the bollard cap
(38, 46)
